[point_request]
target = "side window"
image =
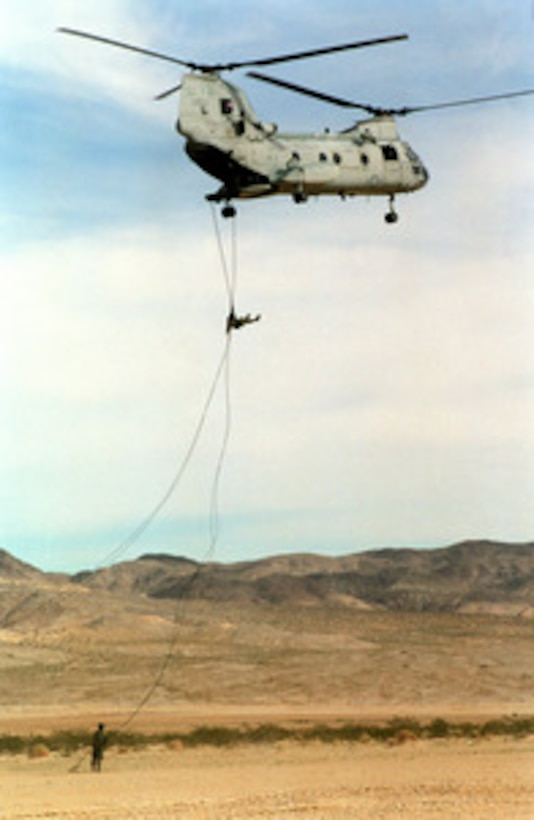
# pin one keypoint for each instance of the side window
(323, 157)
(227, 106)
(337, 158)
(389, 152)
(364, 158)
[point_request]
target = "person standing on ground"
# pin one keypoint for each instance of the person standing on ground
(99, 742)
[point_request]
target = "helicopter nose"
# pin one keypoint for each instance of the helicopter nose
(421, 174)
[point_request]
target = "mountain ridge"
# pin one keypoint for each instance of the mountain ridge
(410, 626)
(470, 576)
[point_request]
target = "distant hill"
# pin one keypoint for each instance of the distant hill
(13, 569)
(25, 590)
(471, 576)
(397, 627)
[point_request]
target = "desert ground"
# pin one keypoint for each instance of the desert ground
(490, 780)
(149, 668)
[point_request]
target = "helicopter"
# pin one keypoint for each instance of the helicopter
(226, 139)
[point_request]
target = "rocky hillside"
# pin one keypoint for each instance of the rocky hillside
(474, 576)
(468, 577)
(389, 626)
(13, 569)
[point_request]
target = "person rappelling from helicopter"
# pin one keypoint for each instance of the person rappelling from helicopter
(234, 322)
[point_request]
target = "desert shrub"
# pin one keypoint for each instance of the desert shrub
(12, 745)
(67, 742)
(466, 729)
(522, 726)
(348, 732)
(406, 723)
(380, 732)
(515, 726)
(128, 740)
(398, 730)
(439, 728)
(213, 736)
(268, 733)
(403, 736)
(38, 750)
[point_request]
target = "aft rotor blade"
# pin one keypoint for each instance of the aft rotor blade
(457, 103)
(168, 93)
(377, 110)
(316, 52)
(128, 47)
(318, 95)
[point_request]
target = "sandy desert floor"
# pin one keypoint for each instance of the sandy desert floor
(235, 667)
(489, 779)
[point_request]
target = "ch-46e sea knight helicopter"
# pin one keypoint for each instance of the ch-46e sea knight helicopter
(226, 138)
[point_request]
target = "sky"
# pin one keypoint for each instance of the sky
(386, 397)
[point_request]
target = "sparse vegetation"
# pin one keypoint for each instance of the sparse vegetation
(38, 751)
(396, 731)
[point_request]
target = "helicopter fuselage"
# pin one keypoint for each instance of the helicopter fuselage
(227, 140)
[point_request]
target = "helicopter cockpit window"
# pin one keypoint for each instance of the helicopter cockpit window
(227, 106)
(389, 152)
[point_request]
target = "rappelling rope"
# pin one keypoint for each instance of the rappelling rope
(136, 533)
(229, 271)
(223, 371)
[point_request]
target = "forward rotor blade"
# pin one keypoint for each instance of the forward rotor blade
(207, 67)
(318, 95)
(316, 52)
(128, 47)
(457, 103)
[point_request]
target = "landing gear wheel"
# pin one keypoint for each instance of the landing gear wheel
(392, 215)
(228, 212)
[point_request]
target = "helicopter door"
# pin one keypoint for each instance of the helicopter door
(392, 163)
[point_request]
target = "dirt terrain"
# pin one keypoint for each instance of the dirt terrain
(223, 672)
(486, 780)
(72, 655)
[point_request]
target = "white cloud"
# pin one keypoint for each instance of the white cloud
(407, 373)
(40, 58)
